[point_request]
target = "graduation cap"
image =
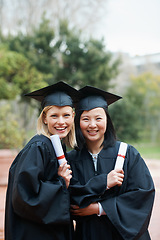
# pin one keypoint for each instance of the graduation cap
(92, 97)
(58, 94)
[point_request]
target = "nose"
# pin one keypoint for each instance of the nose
(60, 120)
(92, 124)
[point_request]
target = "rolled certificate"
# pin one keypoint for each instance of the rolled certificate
(58, 148)
(121, 156)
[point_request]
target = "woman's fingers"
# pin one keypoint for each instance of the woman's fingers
(65, 172)
(115, 177)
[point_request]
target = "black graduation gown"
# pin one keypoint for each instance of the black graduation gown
(128, 208)
(37, 200)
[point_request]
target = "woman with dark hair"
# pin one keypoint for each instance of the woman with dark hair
(107, 202)
(109, 135)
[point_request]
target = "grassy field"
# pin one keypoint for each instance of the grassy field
(148, 150)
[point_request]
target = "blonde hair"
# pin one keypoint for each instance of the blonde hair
(69, 140)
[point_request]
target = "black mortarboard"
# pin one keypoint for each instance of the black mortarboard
(58, 94)
(92, 97)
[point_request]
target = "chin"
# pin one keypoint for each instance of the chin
(62, 135)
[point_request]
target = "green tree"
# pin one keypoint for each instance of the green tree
(144, 94)
(33, 60)
(84, 62)
(36, 46)
(17, 76)
(124, 116)
(11, 135)
(65, 55)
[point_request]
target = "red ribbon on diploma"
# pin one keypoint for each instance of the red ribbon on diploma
(61, 157)
(121, 155)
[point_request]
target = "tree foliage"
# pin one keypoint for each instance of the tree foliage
(65, 55)
(11, 135)
(144, 94)
(36, 47)
(137, 115)
(84, 62)
(33, 60)
(126, 123)
(17, 76)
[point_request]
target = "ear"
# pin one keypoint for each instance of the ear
(44, 120)
(73, 114)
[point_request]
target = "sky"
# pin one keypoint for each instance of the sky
(132, 26)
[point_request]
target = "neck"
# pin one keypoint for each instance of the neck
(93, 147)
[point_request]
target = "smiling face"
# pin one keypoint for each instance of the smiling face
(59, 120)
(93, 125)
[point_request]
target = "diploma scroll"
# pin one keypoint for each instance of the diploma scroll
(121, 156)
(58, 148)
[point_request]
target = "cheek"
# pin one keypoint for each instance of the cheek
(70, 120)
(104, 126)
(83, 127)
(51, 121)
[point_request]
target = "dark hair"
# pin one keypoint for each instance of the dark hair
(109, 136)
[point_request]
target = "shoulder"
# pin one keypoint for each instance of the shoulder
(110, 151)
(71, 155)
(39, 139)
(40, 142)
(38, 149)
(76, 155)
(129, 148)
(133, 157)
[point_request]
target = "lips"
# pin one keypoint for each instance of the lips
(61, 129)
(92, 133)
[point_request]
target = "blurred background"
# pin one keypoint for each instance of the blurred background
(110, 44)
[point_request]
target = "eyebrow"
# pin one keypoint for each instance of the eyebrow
(99, 115)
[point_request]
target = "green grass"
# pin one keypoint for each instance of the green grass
(148, 150)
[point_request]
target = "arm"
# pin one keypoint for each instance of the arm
(134, 200)
(93, 208)
(83, 191)
(115, 177)
(85, 194)
(39, 194)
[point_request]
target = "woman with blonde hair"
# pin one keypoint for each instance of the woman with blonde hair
(37, 200)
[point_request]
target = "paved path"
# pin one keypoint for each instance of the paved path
(2, 204)
(154, 166)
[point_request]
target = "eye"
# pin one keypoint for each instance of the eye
(67, 115)
(98, 118)
(53, 115)
(85, 119)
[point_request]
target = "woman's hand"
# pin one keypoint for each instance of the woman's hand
(93, 208)
(65, 172)
(115, 177)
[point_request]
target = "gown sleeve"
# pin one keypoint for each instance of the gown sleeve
(129, 208)
(84, 192)
(38, 194)
(83, 195)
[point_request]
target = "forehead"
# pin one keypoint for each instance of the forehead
(94, 112)
(59, 109)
